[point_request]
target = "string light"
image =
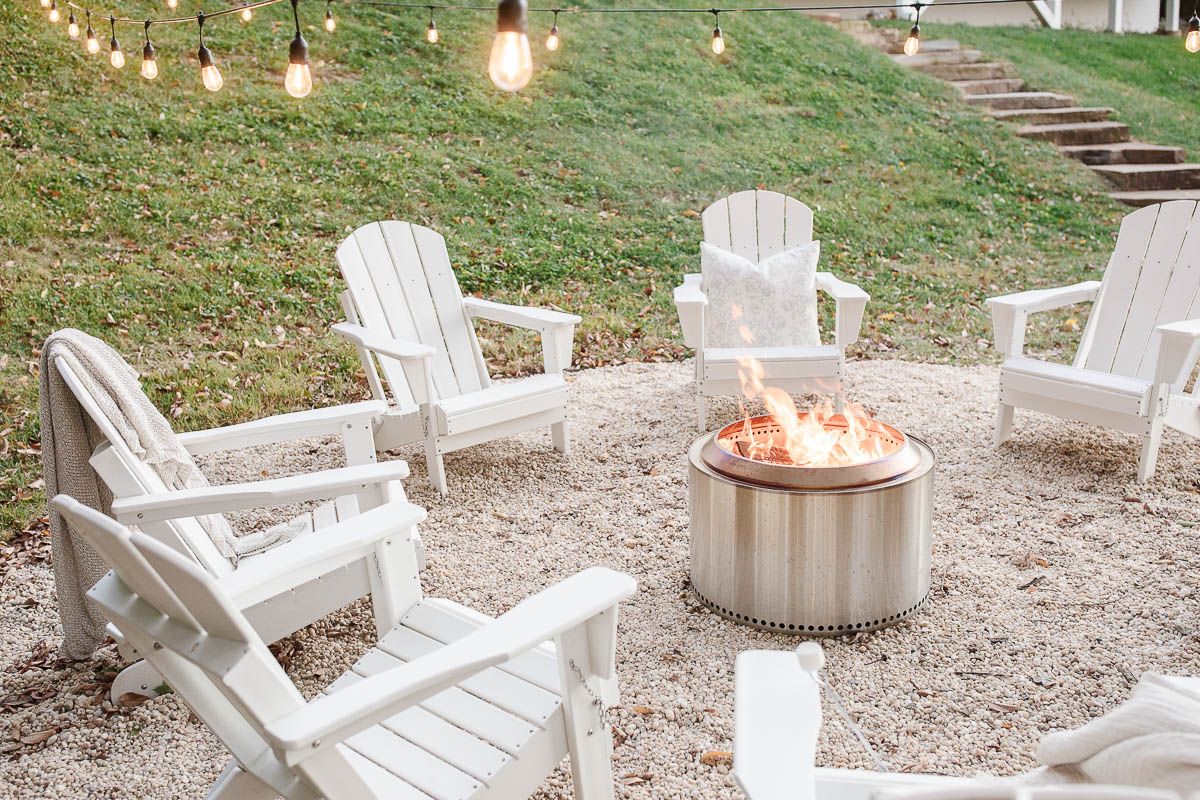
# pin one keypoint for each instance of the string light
(511, 64)
(718, 40)
(912, 45)
(210, 76)
(330, 24)
(1191, 42)
(247, 13)
(55, 15)
(298, 80)
(115, 56)
(91, 43)
(552, 39)
(72, 26)
(431, 33)
(149, 62)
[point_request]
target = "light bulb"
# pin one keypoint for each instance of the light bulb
(116, 57)
(210, 76)
(511, 64)
(1191, 42)
(330, 24)
(72, 26)
(431, 33)
(92, 44)
(552, 39)
(912, 45)
(149, 63)
(718, 42)
(172, 3)
(298, 80)
(55, 15)
(45, 3)
(247, 13)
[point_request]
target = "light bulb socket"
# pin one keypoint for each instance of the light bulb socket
(298, 51)
(554, 29)
(717, 32)
(1194, 24)
(113, 44)
(915, 32)
(71, 19)
(148, 52)
(206, 57)
(512, 16)
(91, 32)
(328, 15)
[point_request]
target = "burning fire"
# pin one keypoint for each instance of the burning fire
(818, 437)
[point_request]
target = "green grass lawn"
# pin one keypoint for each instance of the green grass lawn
(195, 232)
(1150, 80)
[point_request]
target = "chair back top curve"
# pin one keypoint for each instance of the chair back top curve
(1152, 278)
(757, 224)
(403, 287)
(128, 475)
(190, 631)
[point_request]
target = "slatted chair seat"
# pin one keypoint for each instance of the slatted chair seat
(414, 332)
(1139, 347)
(449, 705)
(756, 225)
(532, 395)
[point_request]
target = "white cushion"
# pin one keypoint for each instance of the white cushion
(775, 299)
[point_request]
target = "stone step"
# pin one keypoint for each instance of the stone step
(1150, 198)
(979, 71)
(1078, 132)
(1049, 116)
(930, 46)
(923, 59)
(1151, 177)
(1124, 153)
(999, 86)
(1003, 101)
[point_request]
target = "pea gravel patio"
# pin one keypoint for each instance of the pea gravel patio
(1057, 581)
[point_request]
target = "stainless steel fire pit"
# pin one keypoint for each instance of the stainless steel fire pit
(823, 551)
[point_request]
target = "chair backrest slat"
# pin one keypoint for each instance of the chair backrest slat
(1152, 278)
(403, 286)
(128, 475)
(757, 224)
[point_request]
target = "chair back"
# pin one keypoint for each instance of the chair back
(757, 224)
(185, 625)
(402, 287)
(1152, 278)
(127, 475)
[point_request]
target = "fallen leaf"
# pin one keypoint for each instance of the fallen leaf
(715, 758)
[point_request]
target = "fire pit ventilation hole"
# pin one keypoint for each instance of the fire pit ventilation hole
(827, 630)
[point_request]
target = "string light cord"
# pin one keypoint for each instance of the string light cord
(257, 4)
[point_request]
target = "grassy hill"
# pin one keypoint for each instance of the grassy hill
(195, 232)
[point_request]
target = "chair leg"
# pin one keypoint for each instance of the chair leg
(237, 784)
(701, 412)
(1004, 419)
(436, 466)
(138, 678)
(1149, 459)
(589, 741)
(562, 437)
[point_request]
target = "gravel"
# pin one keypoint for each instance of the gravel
(966, 686)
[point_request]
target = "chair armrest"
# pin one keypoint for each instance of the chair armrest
(1177, 351)
(281, 428)
(690, 303)
(257, 494)
(298, 561)
(1011, 311)
(384, 346)
(850, 302)
(330, 719)
(534, 319)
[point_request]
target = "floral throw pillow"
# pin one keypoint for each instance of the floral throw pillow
(773, 302)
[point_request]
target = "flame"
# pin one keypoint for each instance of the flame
(817, 437)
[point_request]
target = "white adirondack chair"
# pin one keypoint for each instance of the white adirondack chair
(405, 310)
(286, 602)
(450, 704)
(757, 224)
(777, 719)
(1140, 343)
